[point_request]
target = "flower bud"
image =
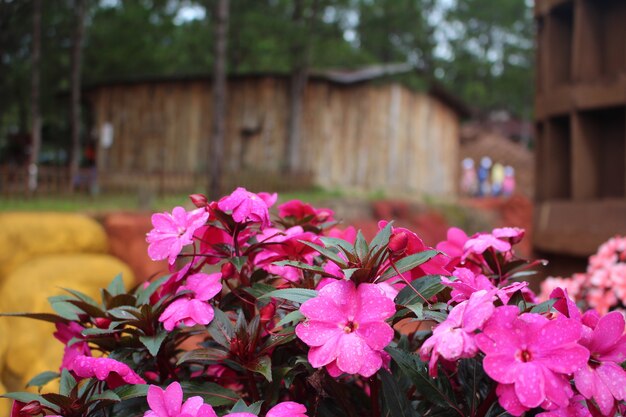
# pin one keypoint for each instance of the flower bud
(398, 243)
(102, 322)
(199, 200)
(228, 271)
(33, 408)
(267, 313)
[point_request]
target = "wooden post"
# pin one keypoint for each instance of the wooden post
(77, 41)
(34, 100)
(220, 17)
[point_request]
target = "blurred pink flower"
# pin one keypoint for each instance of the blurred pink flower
(454, 338)
(512, 234)
(173, 231)
(246, 207)
(602, 378)
(480, 242)
(575, 408)
(305, 212)
(533, 354)
(115, 373)
(65, 333)
(168, 402)
(283, 245)
(346, 327)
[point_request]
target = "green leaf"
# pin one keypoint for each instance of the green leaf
(297, 295)
(361, 246)
(125, 313)
(290, 318)
(144, 294)
(238, 262)
(221, 328)
(305, 267)
(51, 318)
(241, 407)
(204, 355)
(395, 401)
(417, 372)
(27, 397)
(544, 307)
(67, 383)
(42, 379)
(126, 392)
(153, 343)
(105, 395)
(427, 286)
(116, 287)
(337, 243)
(82, 296)
(263, 366)
(66, 310)
(211, 393)
(409, 262)
(326, 253)
(95, 331)
(382, 238)
(259, 289)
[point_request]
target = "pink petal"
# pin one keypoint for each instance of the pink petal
(325, 354)
(374, 304)
(316, 333)
(503, 368)
(172, 398)
(323, 309)
(351, 353)
(287, 409)
(529, 384)
(557, 388)
(565, 360)
(584, 379)
(372, 362)
(343, 294)
(377, 335)
(614, 377)
(609, 329)
(192, 405)
(509, 401)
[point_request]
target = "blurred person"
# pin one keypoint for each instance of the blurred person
(469, 178)
(509, 183)
(484, 187)
(497, 179)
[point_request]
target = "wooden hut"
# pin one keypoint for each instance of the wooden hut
(580, 112)
(360, 129)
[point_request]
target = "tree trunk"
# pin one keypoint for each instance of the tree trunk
(34, 99)
(220, 30)
(77, 53)
(300, 49)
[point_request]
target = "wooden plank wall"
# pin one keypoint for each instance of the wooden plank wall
(364, 136)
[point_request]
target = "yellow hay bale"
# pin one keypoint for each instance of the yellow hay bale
(26, 236)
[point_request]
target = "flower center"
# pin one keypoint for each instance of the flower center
(181, 231)
(524, 355)
(350, 327)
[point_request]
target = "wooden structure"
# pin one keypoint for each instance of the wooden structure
(360, 129)
(580, 112)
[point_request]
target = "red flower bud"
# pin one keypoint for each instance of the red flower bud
(102, 322)
(398, 243)
(228, 271)
(33, 408)
(267, 313)
(199, 200)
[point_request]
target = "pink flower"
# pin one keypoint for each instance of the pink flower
(169, 403)
(173, 231)
(346, 327)
(453, 246)
(512, 234)
(466, 283)
(348, 234)
(246, 207)
(532, 354)
(105, 369)
(193, 310)
(435, 266)
(65, 333)
(575, 408)
(284, 409)
(454, 337)
(284, 245)
(480, 242)
(300, 211)
(602, 378)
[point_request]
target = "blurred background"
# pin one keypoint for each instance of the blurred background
(435, 113)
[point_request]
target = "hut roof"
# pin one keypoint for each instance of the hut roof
(334, 75)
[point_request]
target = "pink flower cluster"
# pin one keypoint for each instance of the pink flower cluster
(168, 402)
(603, 285)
